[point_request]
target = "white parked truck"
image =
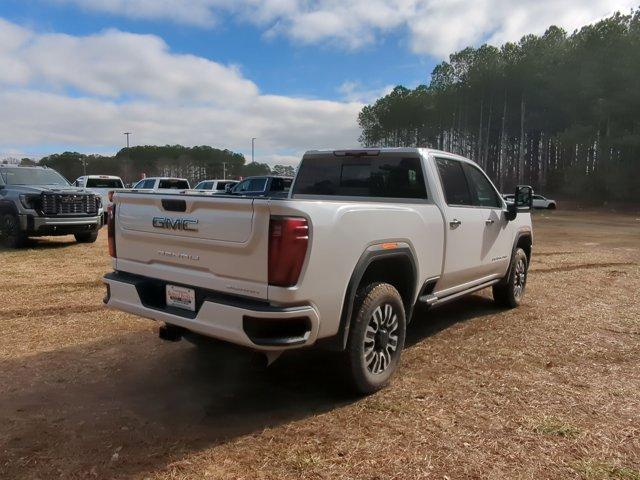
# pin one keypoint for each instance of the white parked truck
(363, 237)
(100, 185)
(216, 186)
(162, 183)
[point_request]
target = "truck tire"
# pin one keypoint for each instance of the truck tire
(86, 237)
(376, 338)
(510, 291)
(10, 234)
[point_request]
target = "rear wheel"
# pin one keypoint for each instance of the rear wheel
(86, 237)
(510, 291)
(10, 234)
(376, 338)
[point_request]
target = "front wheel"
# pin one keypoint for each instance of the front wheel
(10, 234)
(376, 338)
(510, 291)
(86, 237)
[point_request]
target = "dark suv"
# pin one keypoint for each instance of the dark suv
(263, 186)
(38, 201)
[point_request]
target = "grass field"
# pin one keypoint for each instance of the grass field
(549, 390)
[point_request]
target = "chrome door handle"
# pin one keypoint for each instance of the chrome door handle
(489, 221)
(455, 223)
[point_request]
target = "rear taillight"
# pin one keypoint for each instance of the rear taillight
(111, 229)
(288, 240)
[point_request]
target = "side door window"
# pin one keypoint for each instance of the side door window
(454, 182)
(243, 186)
(277, 185)
(482, 192)
(257, 185)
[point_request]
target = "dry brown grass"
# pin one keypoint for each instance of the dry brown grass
(550, 390)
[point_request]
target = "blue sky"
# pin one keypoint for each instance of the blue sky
(294, 73)
(277, 65)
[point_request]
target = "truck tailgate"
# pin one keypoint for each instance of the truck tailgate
(217, 243)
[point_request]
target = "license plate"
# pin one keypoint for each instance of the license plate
(181, 297)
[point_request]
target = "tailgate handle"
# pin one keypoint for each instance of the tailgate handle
(174, 205)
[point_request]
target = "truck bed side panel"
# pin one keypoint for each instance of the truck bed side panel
(341, 232)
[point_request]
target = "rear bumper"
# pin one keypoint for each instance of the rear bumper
(35, 225)
(244, 322)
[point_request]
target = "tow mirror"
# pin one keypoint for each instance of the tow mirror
(522, 201)
(227, 187)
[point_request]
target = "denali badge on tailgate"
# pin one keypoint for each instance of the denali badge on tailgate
(190, 224)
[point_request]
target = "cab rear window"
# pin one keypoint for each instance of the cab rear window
(174, 184)
(353, 176)
(104, 183)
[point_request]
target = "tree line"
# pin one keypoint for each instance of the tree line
(193, 163)
(559, 112)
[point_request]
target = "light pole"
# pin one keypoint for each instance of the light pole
(126, 134)
(224, 170)
(253, 149)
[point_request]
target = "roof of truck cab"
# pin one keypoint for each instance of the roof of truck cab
(267, 176)
(397, 150)
(31, 167)
(110, 177)
(219, 180)
(382, 150)
(162, 178)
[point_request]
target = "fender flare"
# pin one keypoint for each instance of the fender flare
(368, 257)
(519, 235)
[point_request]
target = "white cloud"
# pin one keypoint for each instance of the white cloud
(191, 12)
(353, 91)
(85, 91)
(434, 27)
(115, 63)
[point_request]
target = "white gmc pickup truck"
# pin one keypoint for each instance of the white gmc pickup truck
(363, 237)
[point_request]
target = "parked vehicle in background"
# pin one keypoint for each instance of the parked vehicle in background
(38, 201)
(538, 201)
(217, 186)
(162, 183)
(363, 237)
(101, 185)
(263, 186)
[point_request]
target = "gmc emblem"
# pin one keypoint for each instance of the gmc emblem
(176, 223)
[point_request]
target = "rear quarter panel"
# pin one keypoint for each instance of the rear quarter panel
(340, 232)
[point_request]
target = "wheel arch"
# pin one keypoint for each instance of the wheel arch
(7, 206)
(524, 240)
(374, 265)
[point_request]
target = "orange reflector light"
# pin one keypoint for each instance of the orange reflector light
(389, 246)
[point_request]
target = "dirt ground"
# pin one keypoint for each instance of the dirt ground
(549, 390)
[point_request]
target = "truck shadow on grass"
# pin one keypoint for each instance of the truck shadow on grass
(133, 404)
(36, 243)
(427, 322)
